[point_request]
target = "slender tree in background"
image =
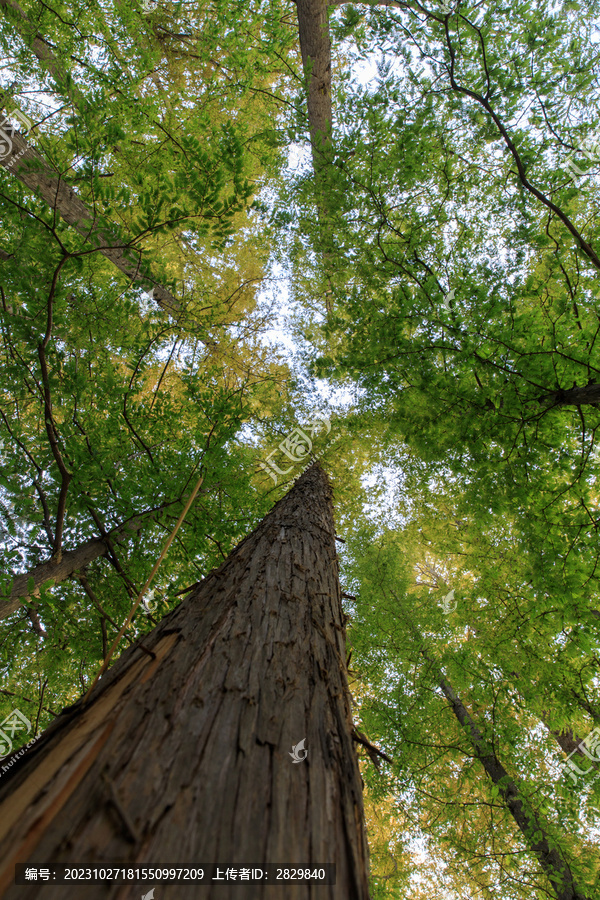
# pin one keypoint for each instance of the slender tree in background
(534, 831)
(71, 439)
(438, 768)
(182, 750)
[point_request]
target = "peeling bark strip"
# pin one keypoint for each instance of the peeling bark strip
(71, 561)
(195, 744)
(42, 180)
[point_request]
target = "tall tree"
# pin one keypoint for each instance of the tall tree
(459, 262)
(499, 733)
(252, 663)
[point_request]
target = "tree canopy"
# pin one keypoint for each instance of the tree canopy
(235, 237)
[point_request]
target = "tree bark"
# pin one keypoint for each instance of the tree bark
(315, 47)
(71, 561)
(186, 756)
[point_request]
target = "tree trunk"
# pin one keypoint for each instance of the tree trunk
(182, 755)
(531, 826)
(566, 739)
(71, 561)
(29, 33)
(575, 396)
(33, 171)
(315, 47)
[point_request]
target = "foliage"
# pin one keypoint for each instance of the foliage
(444, 349)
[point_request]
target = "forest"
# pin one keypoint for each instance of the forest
(258, 258)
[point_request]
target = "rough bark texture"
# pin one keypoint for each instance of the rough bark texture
(27, 165)
(185, 757)
(71, 561)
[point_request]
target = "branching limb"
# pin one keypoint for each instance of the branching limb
(374, 752)
(28, 700)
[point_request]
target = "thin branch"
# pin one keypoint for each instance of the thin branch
(28, 700)
(373, 751)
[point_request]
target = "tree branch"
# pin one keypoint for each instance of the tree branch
(374, 752)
